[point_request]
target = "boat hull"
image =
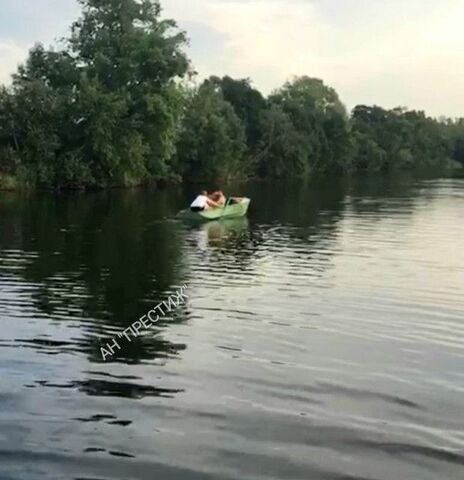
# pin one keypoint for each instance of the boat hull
(235, 210)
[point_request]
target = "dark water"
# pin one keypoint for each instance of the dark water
(323, 337)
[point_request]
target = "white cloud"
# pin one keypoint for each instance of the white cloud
(10, 55)
(388, 52)
(25, 22)
(399, 53)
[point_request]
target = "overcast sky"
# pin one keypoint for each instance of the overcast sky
(385, 52)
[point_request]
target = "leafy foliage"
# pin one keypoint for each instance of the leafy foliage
(248, 103)
(284, 149)
(111, 108)
(103, 111)
(212, 137)
(320, 123)
(386, 139)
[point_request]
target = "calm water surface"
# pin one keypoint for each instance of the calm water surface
(323, 337)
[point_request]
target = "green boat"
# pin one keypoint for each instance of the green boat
(230, 210)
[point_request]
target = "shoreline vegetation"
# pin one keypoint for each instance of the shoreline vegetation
(117, 105)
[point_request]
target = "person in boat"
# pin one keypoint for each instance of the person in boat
(221, 199)
(203, 202)
(218, 197)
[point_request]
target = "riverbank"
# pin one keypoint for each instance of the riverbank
(69, 119)
(11, 183)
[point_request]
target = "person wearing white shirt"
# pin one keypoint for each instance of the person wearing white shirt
(203, 202)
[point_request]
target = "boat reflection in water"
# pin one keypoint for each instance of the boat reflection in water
(220, 233)
(226, 233)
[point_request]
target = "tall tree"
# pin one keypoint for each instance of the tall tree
(131, 59)
(212, 137)
(283, 150)
(248, 103)
(105, 109)
(319, 116)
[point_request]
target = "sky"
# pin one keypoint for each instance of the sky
(385, 52)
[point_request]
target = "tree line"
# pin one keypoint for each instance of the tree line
(117, 104)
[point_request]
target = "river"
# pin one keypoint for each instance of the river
(323, 336)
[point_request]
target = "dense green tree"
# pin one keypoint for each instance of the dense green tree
(54, 69)
(248, 103)
(311, 93)
(9, 135)
(110, 108)
(105, 110)
(283, 149)
(43, 112)
(398, 138)
(131, 60)
(367, 155)
(31, 137)
(319, 116)
(454, 131)
(212, 138)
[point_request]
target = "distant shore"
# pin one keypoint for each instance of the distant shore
(117, 106)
